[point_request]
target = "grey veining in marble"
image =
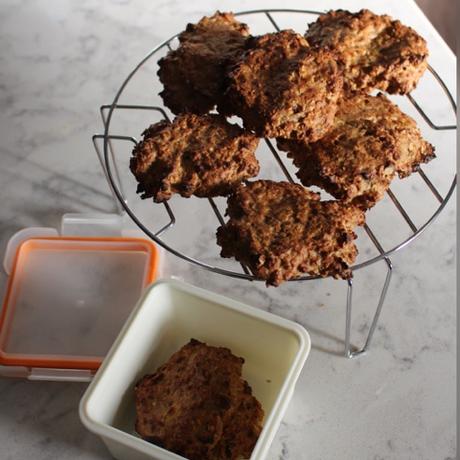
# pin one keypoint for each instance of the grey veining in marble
(59, 61)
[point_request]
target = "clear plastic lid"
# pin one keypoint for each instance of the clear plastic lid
(67, 299)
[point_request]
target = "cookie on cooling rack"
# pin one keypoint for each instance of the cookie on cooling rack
(193, 74)
(282, 230)
(371, 141)
(201, 155)
(282, 87)
(198, 405)
(377, 52)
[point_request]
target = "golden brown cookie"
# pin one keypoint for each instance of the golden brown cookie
(282, 230)
(282, 87)
(197, 405)
(193, 75)
(371, 141)
(201, 155)
(377, 52)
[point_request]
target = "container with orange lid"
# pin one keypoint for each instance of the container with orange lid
(68, 296)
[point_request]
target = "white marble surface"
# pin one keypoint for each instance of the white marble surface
(60, 60)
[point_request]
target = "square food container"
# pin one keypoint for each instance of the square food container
(166, 318)
(66, 300)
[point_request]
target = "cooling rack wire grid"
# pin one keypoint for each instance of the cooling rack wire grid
(105, 148)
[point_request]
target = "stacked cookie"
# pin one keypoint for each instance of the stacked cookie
(311, 93)
(198, 405)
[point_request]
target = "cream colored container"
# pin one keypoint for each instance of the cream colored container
(166, 318)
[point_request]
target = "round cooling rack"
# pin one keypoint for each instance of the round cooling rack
(108, 161)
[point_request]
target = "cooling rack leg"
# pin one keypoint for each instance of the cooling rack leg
(348, 352)
(114, 185)
(118, 206)
(348, 318)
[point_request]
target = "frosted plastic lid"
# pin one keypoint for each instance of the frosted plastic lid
(68, 297)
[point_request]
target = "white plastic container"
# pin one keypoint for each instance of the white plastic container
(166, 318)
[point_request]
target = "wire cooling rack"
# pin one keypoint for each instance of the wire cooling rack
(111, 170)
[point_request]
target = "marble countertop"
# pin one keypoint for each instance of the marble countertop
(59, 61)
